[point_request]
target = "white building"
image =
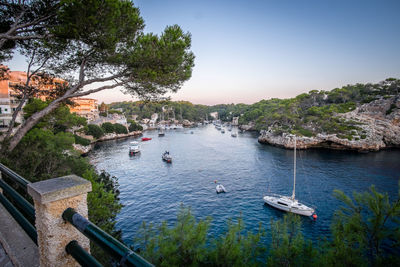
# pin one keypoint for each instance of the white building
(235, 121)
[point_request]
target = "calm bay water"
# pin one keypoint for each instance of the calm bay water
(152, 190)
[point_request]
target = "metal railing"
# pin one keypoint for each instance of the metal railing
(80, 255)
(11, 199)
(110, 245)
(24, 207)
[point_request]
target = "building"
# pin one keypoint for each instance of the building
(9, 100)
(153, 119)
(214, 115)
(85, 107)
(235, 121)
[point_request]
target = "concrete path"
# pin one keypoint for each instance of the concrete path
(21, 250)
(4, 259)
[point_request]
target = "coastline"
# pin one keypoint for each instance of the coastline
(84, 150)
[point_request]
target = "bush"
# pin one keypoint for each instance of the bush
(134, 126)
(81, 141)
(120, 129)
(95, 131)
(112, 111)
(103, 114)
(108, 127)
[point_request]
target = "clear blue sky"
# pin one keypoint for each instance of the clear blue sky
(252, 50)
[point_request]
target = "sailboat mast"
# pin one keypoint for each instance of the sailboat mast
(294, 170)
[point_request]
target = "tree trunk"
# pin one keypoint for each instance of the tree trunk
(29, 123)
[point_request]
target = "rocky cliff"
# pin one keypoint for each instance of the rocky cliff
(378, 124)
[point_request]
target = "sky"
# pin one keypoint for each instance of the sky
(260, 49)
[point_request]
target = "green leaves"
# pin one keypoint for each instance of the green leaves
(364, 227)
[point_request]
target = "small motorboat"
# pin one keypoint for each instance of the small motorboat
(234, 134)
(220, 188)
(146, 138)
(134, 148)
(161, 132)
(222, 130)
(166, 157)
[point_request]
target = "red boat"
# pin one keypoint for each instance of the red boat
(146, 138)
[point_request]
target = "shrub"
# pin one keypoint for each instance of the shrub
(363, 136)
(112, 111)
(120, 129)
(134, 126)
(95, 131)
(81, 141)
(108, 127)
(103, 114)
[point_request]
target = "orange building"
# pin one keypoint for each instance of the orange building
(85, 107)
(9, 95)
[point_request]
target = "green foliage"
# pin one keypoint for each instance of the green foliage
(46, 153)
(113, 111)
(133, 126)
(288, 247)
(363, 228)
(59, 120)
(237, 247)
(316, 112)
(108, 127)
(103, 114)
(95, 131)
(120, 129)
(187, 243)
(81, 141)
(184, 244)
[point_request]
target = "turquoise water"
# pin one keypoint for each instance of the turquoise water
(152, 190)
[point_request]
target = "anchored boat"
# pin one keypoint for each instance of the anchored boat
(290, 204)
(166, 157)
(134, 148)
(220, 189)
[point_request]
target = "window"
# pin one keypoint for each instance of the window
(282, 203)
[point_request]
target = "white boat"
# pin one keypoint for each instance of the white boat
(220, 188)
(234, 134)
(290, 204)
(222, 130)
(166, 157)
(134, 148)
(161, 132)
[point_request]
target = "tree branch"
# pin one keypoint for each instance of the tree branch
(105, 87)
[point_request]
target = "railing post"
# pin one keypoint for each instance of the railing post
(51, 197)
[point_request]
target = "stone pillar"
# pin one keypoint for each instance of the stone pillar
(51, 198)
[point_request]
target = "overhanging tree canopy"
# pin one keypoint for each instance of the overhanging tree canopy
(96, 45)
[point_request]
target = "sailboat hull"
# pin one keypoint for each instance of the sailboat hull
(287, 204)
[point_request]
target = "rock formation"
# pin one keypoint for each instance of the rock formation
(378, 123)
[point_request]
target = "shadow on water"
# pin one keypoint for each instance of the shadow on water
(152, 190)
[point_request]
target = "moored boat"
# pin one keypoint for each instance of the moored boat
(166, 157)
(146, 138)
(134, 148)
(290, 204)
(220, 188)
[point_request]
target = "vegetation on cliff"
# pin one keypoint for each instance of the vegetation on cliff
(365, 232)
(316, 112)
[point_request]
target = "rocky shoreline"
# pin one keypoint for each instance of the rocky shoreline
(380, 130)
(84, 150)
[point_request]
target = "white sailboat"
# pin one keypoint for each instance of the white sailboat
(290, 204)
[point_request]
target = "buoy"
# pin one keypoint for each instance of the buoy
(315, 216)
